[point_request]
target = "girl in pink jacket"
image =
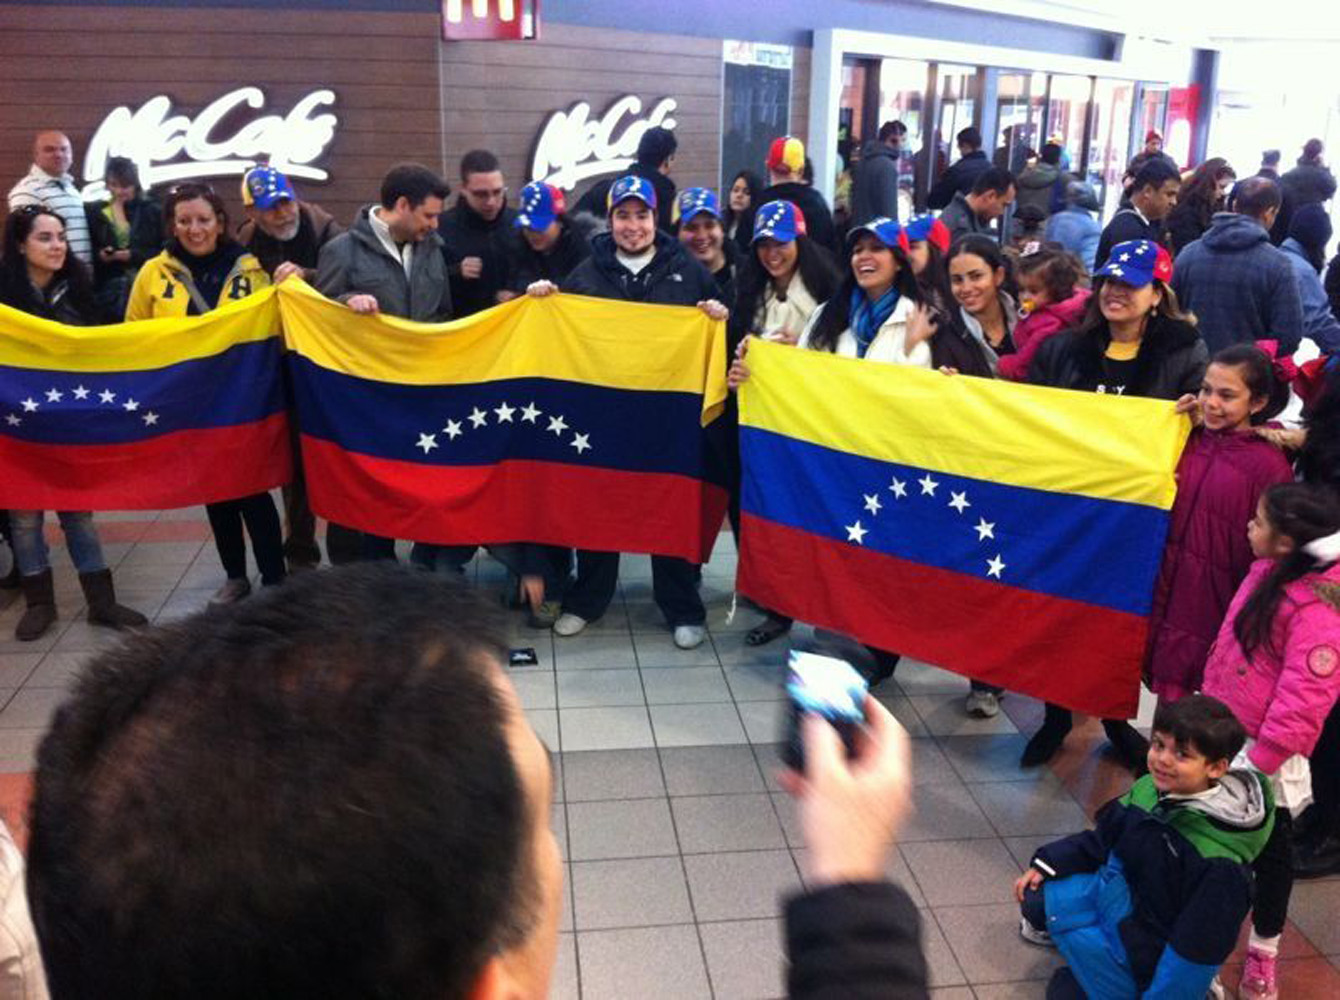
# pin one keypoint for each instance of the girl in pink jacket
(1049, 289)
(1276, 664)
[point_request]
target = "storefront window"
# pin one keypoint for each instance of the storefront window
(1067, 110)
(955, 109)
(757, 105)
(1153, 111)
(1020, 99)
(1109, 145)
(902, 96)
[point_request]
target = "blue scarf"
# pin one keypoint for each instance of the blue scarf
(867, 317)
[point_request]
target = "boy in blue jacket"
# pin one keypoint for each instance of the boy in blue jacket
(1149, 903)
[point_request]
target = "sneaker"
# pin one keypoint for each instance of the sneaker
(982, 704)
(545, 615)
(689, 636)
(1258, 977)
(1034, 936)
(231, 592)
(569, 624)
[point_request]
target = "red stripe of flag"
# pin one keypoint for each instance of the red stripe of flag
(1075, 654)
(179, 469)
(553, 503)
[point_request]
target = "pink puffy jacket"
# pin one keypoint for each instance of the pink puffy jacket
(1282, 700)
(1034, 329)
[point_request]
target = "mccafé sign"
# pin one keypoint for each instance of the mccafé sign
(574, 147)
(224, 139)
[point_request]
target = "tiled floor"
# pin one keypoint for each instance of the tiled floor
(679, 843)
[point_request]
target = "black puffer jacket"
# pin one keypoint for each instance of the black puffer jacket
(526, 266)
(466, 233)
(818, 216)
(673, 278)
(1171, 362)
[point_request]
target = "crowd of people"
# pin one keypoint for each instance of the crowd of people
(1198, 291)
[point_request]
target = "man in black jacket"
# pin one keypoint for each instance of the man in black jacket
(960, 177)
(655, 159)
(475, 233)
(786, 171)
(1153, 196)
(405, 846)
(545, 244)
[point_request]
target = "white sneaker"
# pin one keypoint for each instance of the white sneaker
(1034, 936)
(982, 704)
(569, 624)
(689, 636)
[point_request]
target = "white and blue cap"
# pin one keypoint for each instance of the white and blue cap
(696, 201)
(631, 186)
(1137, 263)
(540, 206)
(778, 220)
(265, 187)
(884, 229)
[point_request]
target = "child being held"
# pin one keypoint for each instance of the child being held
(1149, 903)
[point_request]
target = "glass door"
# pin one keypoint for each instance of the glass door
(1067, 117)
(1109, 143)
(902, 97)
(956, 107)
(1020, 104)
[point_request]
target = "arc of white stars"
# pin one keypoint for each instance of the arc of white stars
(959, 501)
(856, 533)
(871, 502)
(994, 567)
(898, 488)
(504, 413)
(54, 395)
(529, 413)
(453, 429)
(427, 442)
(558, 425)
(928, 485)
(478, 417)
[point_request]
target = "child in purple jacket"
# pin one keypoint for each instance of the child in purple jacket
(1223, 471)
(1276, 664)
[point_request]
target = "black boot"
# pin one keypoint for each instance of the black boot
(102, 606)
(1317, 859)
(40, 594)
(1044, 744)
(1131, 748)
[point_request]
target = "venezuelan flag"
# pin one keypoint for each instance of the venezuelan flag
(1008, 532)
(149, 415)
(565, 420)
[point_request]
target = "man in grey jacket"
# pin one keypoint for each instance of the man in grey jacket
(389, 261)
(875, 180)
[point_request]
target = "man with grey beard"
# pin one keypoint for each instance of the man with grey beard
(287, 235)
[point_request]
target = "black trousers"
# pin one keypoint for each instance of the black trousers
(1326, 774)
(1274, 878)
(347, 545)
(674, 586)
(261, 518)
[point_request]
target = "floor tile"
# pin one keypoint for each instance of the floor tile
(684, 685)
(944, 811)
(756, 681)
(605, 728)
(32, 708)
(1035, 989)
(986, 942)
(599, 688)
(715, 823)
(630, 828)
(746, 959)
(732, 652)
(902, 709)
(943, 715)
(917, 678)
(18, 748)
(535, 688)
(987, 758)
(1314, 908)
(763, 720)
(1033, 808)
(563, 983)
(710, 770)
(16, 668)
(945, 972)
(595, 652)
(558, 822)
(658, 649)
(697, 725)
(545, 723)
(665, 963)
(612, 774)
(962, 872)
(736, 886)
(1023, 848)
(636, 893)
(930, 766)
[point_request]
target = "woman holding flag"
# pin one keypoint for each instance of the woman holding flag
(39, 276)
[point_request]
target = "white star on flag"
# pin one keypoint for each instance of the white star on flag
(928, 485)
(959, 501)
(871, 502)
(131, 405)
(478, 417)
(995, 566)
(504, 413)
(13, 420)
(54, 395)
(530, 414)
(453, 429)
(107, 396)
(29, 405)
(427, 442)
(985, 529)
(558, 425)
(80, 392)
(898, 488)
(581, 442)
(855, 533)
(150, 419)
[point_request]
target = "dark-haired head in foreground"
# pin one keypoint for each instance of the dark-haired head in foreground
(327, 790)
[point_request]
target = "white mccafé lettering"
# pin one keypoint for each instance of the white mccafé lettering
(573, 148)
(170, 147)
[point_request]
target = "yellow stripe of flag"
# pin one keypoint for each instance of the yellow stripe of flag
(1089, 444)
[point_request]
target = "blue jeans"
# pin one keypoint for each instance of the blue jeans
(30, 546)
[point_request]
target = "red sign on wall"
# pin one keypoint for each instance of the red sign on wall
(490, 20)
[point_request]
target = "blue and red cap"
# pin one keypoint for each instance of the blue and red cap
(695, 201)
(1137, 263)
(631, 186)
(928, 229)
(540, 206)
(265, 187)
(884, 229)
(778, 220)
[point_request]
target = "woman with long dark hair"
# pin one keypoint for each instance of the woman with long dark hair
(982, 284)
(952, 346)
(742, 195)
(1201, 196)
(39, 276)
(201, 268)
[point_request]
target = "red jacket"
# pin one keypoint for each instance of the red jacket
(1219, 480)
(1036, 327)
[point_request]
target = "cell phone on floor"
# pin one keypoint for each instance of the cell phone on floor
(828, 687)
(523, 657)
